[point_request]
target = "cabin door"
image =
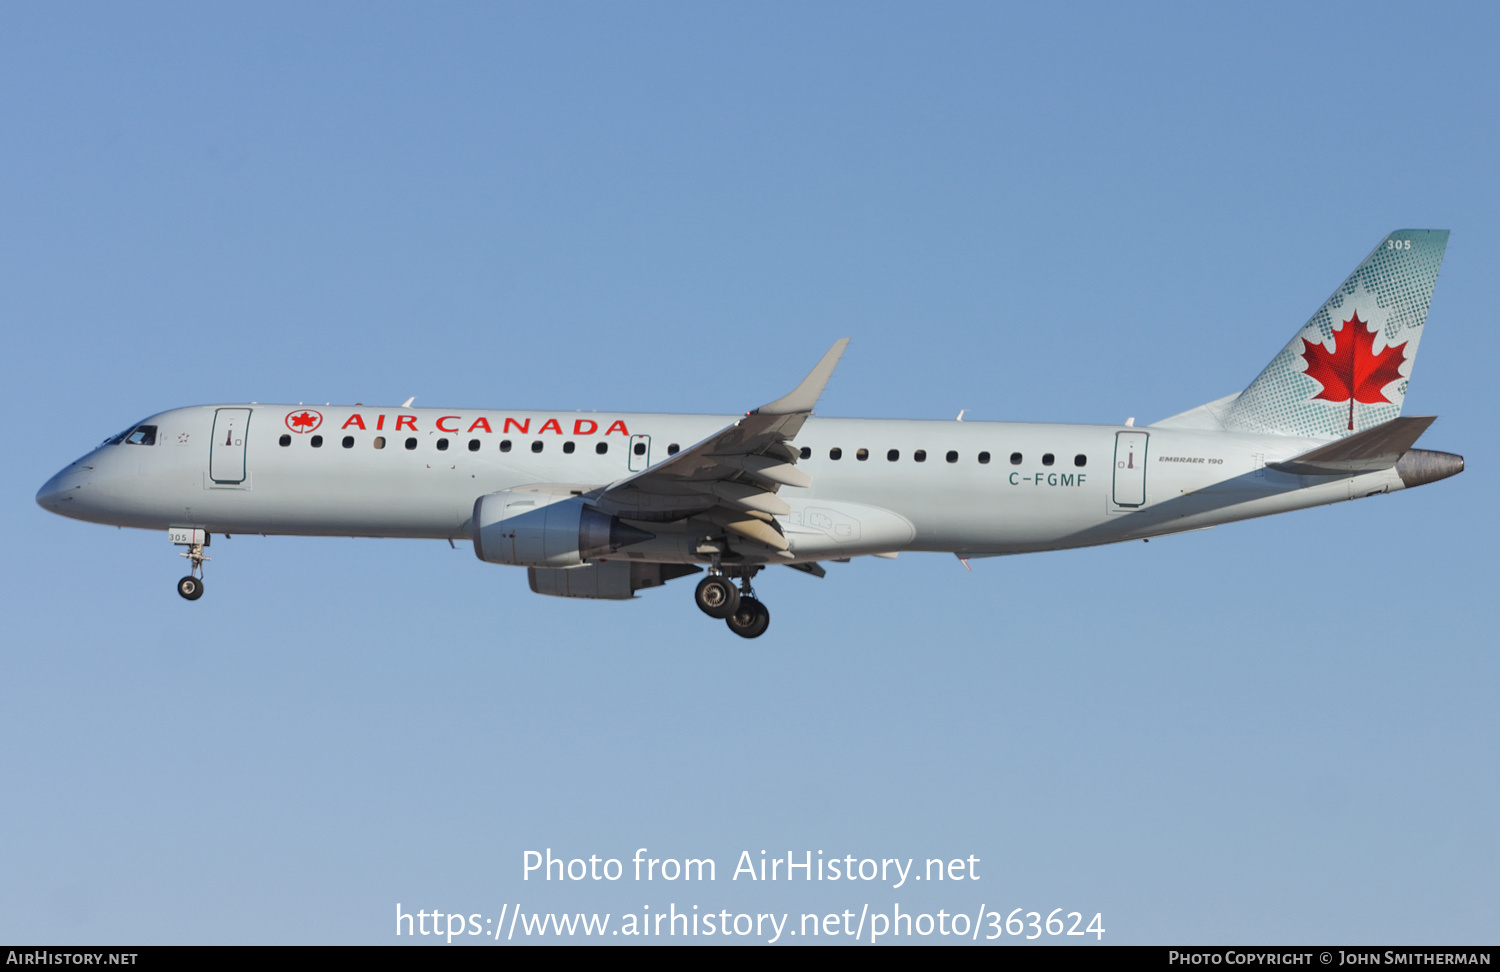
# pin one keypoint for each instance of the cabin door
(1130, 468)
(226, 453)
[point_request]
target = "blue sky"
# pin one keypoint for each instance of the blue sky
(1277, 731)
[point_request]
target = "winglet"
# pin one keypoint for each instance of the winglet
(805, 396)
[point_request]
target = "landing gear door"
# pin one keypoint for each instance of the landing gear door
(226, 452)
(1130, 469)
(640, 452)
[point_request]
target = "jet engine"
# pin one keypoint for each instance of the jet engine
(546, 530)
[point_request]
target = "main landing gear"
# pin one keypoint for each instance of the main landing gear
(718, 598)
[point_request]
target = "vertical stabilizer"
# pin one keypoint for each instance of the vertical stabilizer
(1347, 369)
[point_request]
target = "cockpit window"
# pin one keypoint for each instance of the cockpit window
(117, 439)
(141, 435)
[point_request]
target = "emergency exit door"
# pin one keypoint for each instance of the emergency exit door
(640, 452)
(1130, 468)
(226, 453)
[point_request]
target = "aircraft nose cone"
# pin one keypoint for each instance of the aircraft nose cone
(58, 492)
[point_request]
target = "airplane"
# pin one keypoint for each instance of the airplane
(605, 504)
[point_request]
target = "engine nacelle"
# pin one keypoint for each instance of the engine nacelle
(546, 530)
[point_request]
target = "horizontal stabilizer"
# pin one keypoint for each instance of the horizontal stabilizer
(1378, 448)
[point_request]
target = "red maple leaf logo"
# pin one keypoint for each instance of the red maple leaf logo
(305, 421)
(1352, 371)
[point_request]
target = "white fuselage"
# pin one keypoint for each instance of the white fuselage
(979, 487)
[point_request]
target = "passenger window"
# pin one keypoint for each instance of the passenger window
(640, 448)
(806, 452)
(951, 456)
(892, 455)
(378, 442)
(673, 449)
(569, 446)
(504, 445)
(835, 453)
(285, 440)
(473, 445)
(920, 455)
(411, 443)
(536, 446)
(602, 448)
(142, 435)
(1015, 458)
(348, 442)
(862, 454)
(1048, 459)
(316, 442)
(1080, 460)
(442, 445)
(984, 458)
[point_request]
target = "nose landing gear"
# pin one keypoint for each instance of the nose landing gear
(716, 597)
(191, 586)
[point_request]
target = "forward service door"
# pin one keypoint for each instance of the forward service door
(1130, 469)
(226, 452)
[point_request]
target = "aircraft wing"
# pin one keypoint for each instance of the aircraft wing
(733, 475)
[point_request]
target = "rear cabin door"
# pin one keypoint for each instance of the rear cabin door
(226, 454)
(640, 452)
(1130, 468)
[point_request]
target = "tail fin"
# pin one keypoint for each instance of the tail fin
(1347, 369)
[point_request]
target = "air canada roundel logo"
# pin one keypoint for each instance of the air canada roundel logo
(304, 421)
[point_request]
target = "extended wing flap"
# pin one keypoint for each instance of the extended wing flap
(1378, 448)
